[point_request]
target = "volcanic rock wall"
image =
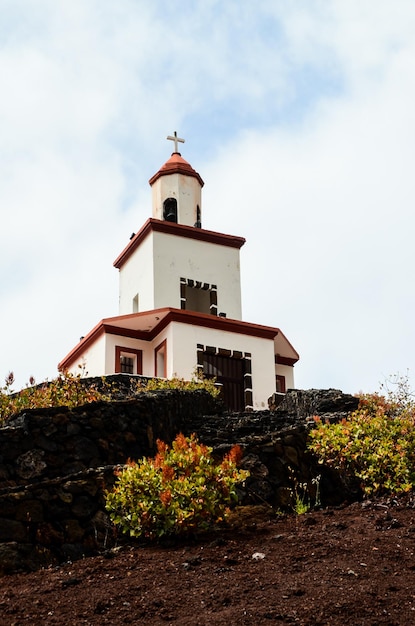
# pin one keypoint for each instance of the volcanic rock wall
(55, 464)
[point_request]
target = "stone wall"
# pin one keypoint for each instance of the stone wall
(275, 446)
(46, 443)
(55, 464)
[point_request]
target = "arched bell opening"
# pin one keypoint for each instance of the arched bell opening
(198, 223)
(170, 210)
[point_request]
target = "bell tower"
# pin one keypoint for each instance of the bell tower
(172, 261)
(180, 304)
(177, 190)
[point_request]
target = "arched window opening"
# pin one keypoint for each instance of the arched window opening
(198, 223)
(170, 210)
(160, 358)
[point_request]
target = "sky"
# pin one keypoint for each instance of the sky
(298, 114)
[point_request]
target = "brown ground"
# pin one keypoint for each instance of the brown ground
(352, 565)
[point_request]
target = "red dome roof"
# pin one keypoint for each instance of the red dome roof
(176, 165)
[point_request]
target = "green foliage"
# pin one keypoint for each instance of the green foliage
(181, 490)
(197, 382)
(376, 444)
(304, 495)
(301, 506)
(65, 390)
(70, 390)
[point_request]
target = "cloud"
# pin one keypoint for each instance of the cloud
(332, 203)
(299, 117)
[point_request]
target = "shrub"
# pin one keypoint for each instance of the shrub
(70, 390)
(197, 382)
(65, 390)
(181, 490)
(376, 444)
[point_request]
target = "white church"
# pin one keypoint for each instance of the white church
(180, 304)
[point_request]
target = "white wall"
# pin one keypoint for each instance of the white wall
(182, 340)
(176, 257)
(156, 266)
(136, 276)
(186, 337)
(92, 361)
(288, 372)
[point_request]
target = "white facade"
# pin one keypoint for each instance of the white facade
(180, 339)
(287, 372)
(185, 340)
(150, 278)
(180, 305)
(136, 281)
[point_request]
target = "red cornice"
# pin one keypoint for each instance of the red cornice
(166, 316)
(176, 165)
(221, 323)
(284, 360)
(179, 230)
(126, 332)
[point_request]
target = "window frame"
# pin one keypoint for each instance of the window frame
(129, 352)
(161, 348)
(280, 384)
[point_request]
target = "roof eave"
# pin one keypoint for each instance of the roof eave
(178, 230)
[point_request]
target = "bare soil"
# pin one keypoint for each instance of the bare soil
(348, 565)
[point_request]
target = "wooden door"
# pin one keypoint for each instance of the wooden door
(229, 372)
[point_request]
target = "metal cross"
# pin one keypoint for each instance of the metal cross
(176, 139)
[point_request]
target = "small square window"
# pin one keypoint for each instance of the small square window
(128, 360)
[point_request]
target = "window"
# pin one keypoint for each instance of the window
(127, 364)
(280, 383)
(197, 299)
(135, 303)
(198, 296)
(198, 223)
(128, 360)
(160, 360)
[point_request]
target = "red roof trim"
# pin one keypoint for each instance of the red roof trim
(222, 323)
(284, 360)
(176, 165)
(179, 230)
(168, 315)
(83, 345)
(126, 332)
